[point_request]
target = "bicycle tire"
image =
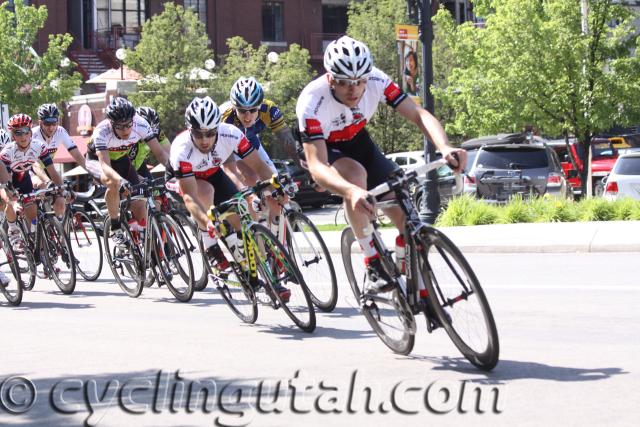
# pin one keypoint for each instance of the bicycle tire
(442, 264)
(405, 342)
(13, 289)
(273, 256)
(82, 231)
(305, 253)
(235, 291)
(131, 261)
(26, 259)
(171, 255)
(56, 246)
(199, 260)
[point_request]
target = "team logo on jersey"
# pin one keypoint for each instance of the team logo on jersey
(313, 126)
(339, 121)
(357, 115)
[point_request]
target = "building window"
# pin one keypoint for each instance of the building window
(199, 7)
(128, 14)
(334, 19)
(272, 21)
(11, 6)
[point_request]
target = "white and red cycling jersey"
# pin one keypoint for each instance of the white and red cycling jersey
(322, 116)
(186, 160)
(60, 136)
(20, 161)
(105, 139)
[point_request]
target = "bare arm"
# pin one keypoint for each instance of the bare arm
(254, 161)
(39, 172)
(79, 158)
(162, 155)
(189, 188)
(105, 164)
(232, 171)
(53, 173)
(431, 128)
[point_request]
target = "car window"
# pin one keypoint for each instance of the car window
(509, 158)
(412, 161)
(628, 166)
(444, 171)
(471, 156)
(401, 161)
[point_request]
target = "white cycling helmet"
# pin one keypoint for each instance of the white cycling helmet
(4, 138)
(202, 113)
(347, 58)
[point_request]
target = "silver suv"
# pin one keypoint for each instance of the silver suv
(507, 166)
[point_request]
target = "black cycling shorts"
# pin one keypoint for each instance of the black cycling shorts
(124, 168)
(363, 150)
(223, 187)
(22, 182)
(144, 171)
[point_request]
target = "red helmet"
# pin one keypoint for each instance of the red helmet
(18, 121)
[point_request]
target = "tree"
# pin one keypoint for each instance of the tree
(171, 55)
(28, 79)
(373, 23)
(531, 64)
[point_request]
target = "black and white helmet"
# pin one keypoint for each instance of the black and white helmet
(4, 138)
(48, 111)
(202, 113)
(120, 110)
(151, 116)
(347, 58)
(246, 93)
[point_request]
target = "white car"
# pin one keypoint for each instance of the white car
(407, 160)
(624, 179)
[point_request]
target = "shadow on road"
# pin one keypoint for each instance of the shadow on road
(293, 333)
(30, 305)
(509, 370)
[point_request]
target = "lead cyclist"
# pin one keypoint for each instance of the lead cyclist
(332, 113)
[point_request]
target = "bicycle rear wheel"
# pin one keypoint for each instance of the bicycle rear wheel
(26, 260)
(12, 285)
(457, 299)
(387, 313)
(173, 261)
(58, 256)
(85, 244)
(310, 253)
(126, 265)
(276, 267)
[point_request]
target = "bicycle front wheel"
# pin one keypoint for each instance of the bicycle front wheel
(126, 264)
(237, 292)
(194, 243)
(387, 312)
(310, 253)
(58, 256)
(172, 257)
(457, 299)
(278, 270)
(85, 244)
(11, 282)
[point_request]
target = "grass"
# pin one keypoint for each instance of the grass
(467, 210)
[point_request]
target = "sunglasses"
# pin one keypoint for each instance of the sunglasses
(49, 122)
(349, 82)
(122, 126)
(206, 134)
(245, 111)
(21, 132)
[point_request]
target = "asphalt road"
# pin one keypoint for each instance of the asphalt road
(568, 326)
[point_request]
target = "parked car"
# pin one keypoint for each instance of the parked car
(510, 164)
(624, 179)
(307, 195)
(448, 184)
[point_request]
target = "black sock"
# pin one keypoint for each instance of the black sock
(115, 224)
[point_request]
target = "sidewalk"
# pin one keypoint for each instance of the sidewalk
(612, 236)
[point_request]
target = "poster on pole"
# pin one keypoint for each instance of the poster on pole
(408, 64)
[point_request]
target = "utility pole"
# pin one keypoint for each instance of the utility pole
(430, 206)
(584, 12)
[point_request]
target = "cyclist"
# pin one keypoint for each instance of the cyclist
(52, 135)
(197, 155)
(19, 157)
(252, 114)
(5, 138)
(113, 139)
(140, 151)
(332, 112)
